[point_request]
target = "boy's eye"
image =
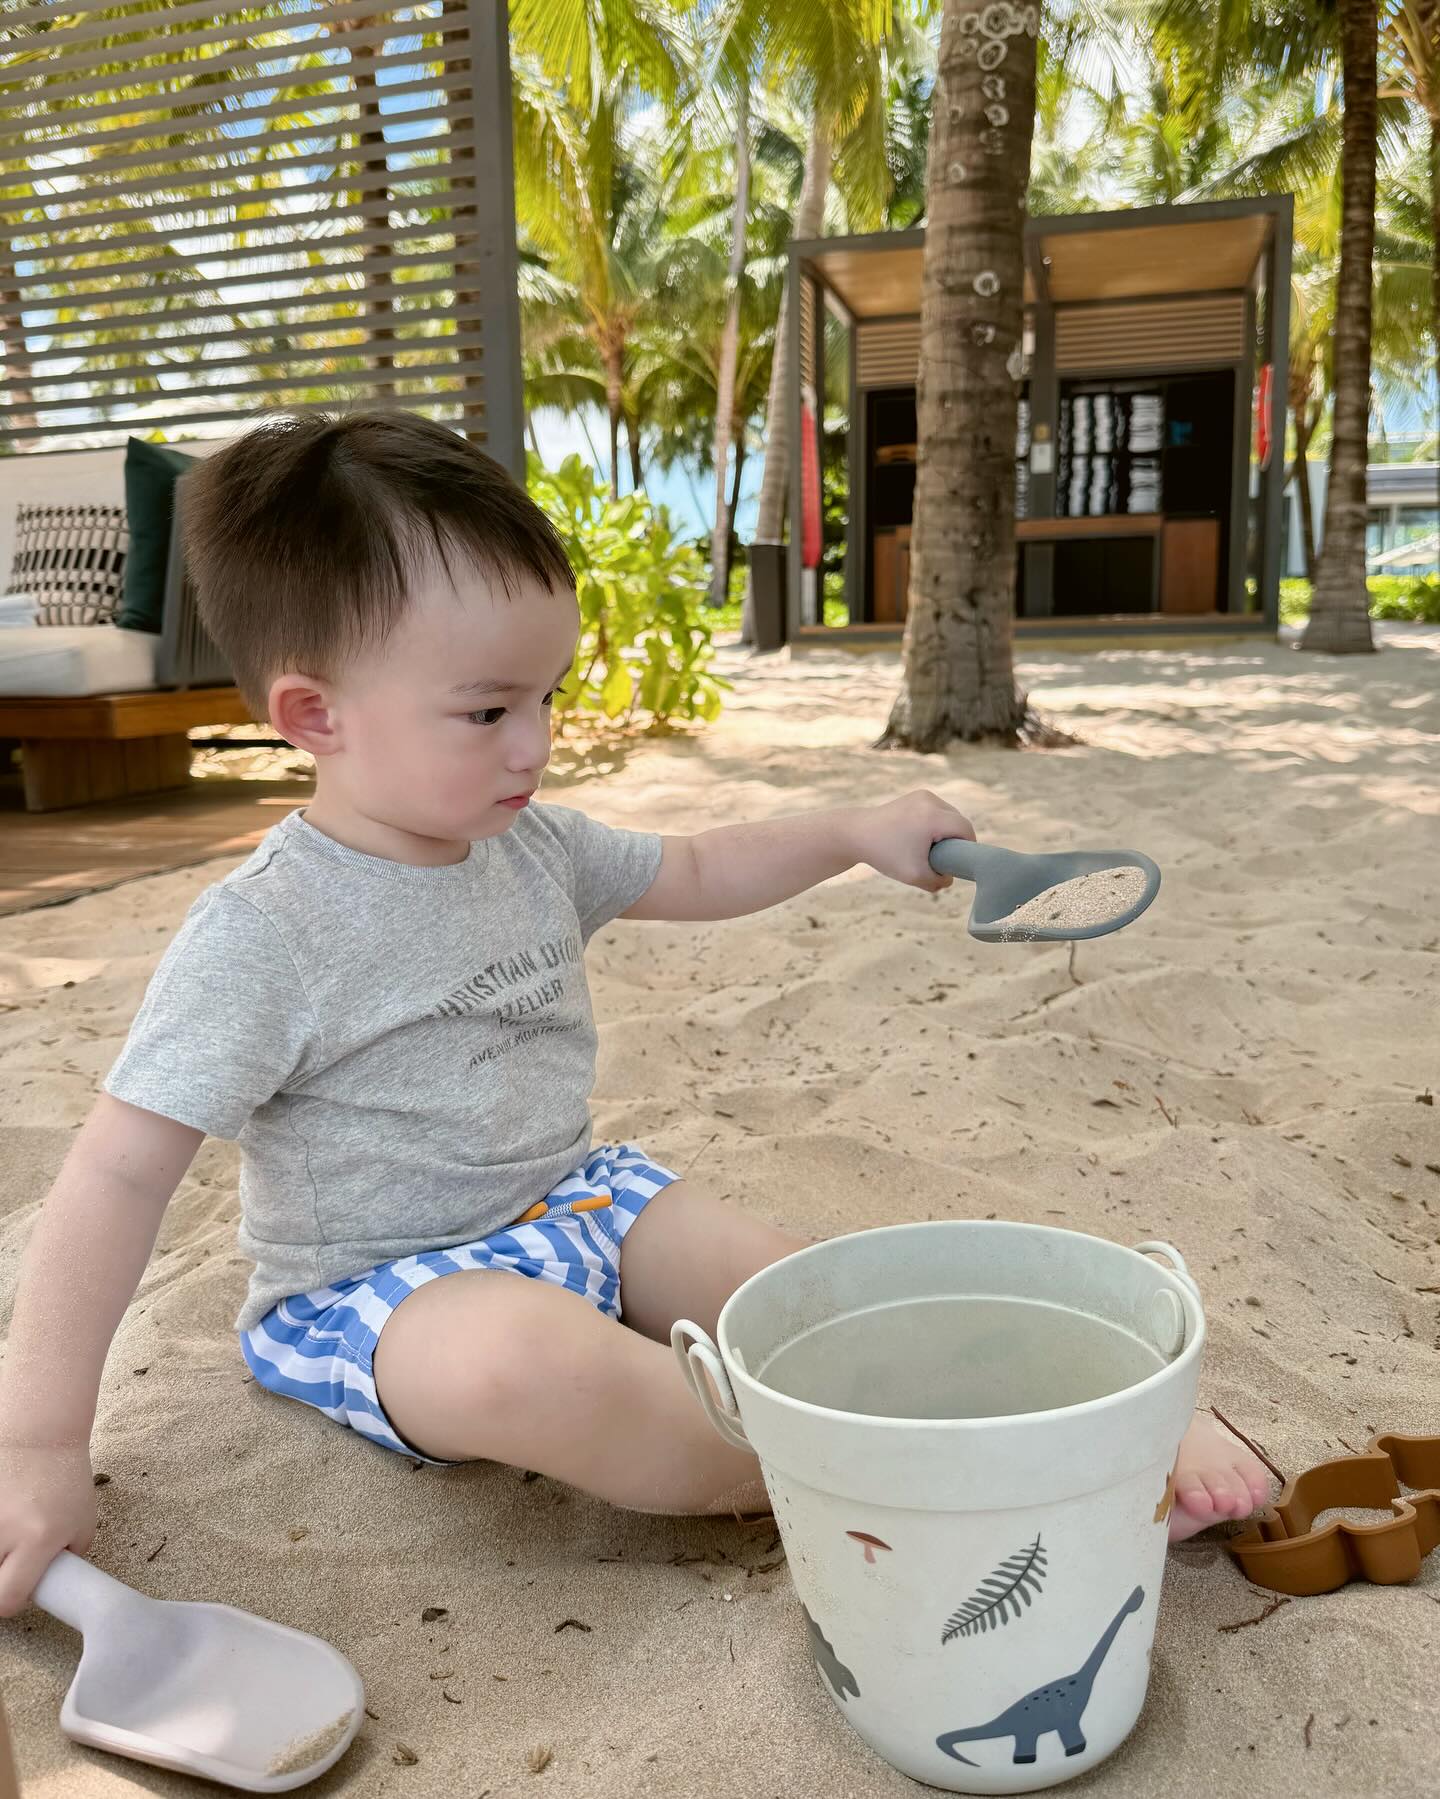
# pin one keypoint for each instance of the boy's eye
(491, 715)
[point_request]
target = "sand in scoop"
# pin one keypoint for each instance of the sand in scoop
(1088, 900)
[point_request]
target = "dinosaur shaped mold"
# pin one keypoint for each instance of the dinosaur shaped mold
(1283, 1551)
(1057, 1706)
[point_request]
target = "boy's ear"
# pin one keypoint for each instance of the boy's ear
(301, 712)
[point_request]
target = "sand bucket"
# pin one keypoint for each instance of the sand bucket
(967, 1431)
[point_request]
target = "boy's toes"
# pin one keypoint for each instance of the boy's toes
(1227, 1495)
(1194, 1510)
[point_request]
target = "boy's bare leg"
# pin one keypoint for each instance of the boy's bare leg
(686, 1254)
(492, 1366)
(488, 1365)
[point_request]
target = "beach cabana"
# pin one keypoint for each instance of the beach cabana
(1150, 431)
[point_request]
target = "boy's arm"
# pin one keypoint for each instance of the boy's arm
(81, 1267)
(736, 869)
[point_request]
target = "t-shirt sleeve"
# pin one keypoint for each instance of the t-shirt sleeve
(224, 1024)
(610, 869)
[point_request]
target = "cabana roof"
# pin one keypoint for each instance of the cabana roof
(1150, 251)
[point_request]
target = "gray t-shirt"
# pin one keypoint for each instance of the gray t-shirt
(404, 1055)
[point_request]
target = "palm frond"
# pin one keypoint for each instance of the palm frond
(999, 1596)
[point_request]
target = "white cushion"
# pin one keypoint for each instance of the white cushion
(69, 660)
(19, 609)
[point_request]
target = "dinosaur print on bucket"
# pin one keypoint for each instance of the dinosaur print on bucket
(842, 1681)
(1057, 1706)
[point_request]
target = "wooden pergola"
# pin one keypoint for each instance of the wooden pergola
(1150, 429)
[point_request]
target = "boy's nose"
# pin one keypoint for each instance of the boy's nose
(528, 747)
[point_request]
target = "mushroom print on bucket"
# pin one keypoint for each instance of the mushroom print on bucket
(1059, 1705)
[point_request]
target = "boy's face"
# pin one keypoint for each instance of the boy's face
(419, 757)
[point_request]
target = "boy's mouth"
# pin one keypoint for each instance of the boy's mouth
(516, 800)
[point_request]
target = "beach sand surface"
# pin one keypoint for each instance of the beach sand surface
(1248, 1072)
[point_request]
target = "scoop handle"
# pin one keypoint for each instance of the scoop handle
(970, 861)
(82, 1595)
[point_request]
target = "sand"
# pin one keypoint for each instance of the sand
(1087, 900)
(1249, 1071)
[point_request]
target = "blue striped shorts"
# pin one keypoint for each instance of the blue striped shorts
(319, 1347)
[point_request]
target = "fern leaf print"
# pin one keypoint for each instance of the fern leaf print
(1001, 1596)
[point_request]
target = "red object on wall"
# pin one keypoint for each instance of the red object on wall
(1262, 416)
(810, 532)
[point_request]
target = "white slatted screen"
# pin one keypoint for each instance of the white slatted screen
(207, 209)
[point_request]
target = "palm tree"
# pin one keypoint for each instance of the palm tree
(1340, 603)
(832, 56)
(959, 668)
(590, 210)
(583, 199)
(1410, 68)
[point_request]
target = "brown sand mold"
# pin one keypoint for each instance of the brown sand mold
(1087, 900)
(305, 1751)
(1285, 1551)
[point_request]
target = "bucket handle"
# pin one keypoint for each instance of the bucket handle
(698, 1358)
(1171, 1317)
(1169, 1249)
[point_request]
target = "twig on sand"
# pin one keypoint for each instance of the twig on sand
(1245, 1623)
(1309, 1729)
(1254, 1448)
(1073, 976)
(698, 1153)
(1169, 1115)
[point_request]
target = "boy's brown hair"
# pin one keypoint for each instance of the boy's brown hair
(305, 536)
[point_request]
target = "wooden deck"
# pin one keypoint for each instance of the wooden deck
(47, 858)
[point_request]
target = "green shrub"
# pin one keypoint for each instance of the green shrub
(1412, 597)
(1294, 602)
(1415, 598)
(645, 631)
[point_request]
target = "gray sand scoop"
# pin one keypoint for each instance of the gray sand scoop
(1005, 880)
(202, 1688)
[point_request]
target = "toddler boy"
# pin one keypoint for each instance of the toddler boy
(386, 1007)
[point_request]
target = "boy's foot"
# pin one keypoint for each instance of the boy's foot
(1216, 1477)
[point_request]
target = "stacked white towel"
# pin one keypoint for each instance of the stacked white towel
(19, 609)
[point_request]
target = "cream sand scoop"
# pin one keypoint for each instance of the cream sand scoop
(1048, 898)
(204, 1689)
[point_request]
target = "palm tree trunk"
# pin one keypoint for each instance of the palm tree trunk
(468, 276)
(1434, 108)
(373, 167)
(730, 354)
(15, 350)
(614, 404)
(735, 478)
(959, 668)
(775, 483)
(632, 437)
(1340, 606)
(1307, 499)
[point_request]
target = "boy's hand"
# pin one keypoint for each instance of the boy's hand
(47, 1503)
(896, 837)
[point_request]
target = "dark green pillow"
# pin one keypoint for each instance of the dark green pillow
(151, 471)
